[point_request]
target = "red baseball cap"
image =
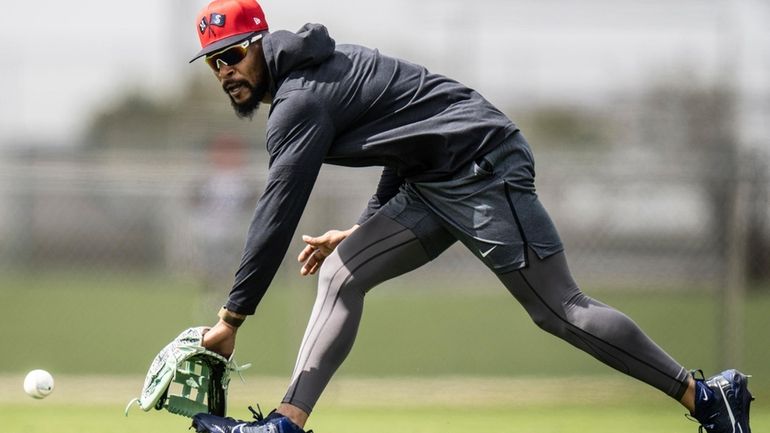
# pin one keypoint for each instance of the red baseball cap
(227, 22)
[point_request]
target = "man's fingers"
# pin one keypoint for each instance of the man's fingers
(307, 268)
(312, 264)
(320, 240)
(315, 267)
(305, 253)
(308, 264)
(316, 250)
(310, 248)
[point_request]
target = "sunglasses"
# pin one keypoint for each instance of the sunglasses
(231, 55)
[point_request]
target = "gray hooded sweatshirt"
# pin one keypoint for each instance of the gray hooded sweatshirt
(352, 106)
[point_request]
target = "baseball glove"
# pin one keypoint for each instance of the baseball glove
(199, 377)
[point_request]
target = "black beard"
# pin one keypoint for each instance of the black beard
(247, 109)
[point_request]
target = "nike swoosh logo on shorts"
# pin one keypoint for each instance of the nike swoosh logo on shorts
(486, 253)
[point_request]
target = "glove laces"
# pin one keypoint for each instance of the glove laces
(260, 418)
(257, 414)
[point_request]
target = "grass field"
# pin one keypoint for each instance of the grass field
(425, 361)
(443, 405)
(101, 418)
(73, 324)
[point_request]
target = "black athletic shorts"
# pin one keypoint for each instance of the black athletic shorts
(490, 205)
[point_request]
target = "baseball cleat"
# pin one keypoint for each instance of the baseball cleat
(722, 402)
(273, 423)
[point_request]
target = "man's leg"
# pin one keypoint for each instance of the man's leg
(377, 251)
(549, 294)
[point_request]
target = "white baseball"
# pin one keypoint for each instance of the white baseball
(38, 383)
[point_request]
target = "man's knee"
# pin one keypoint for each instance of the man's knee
(330, 268)
(559, 317)
(549, 321)
(334, 276)
(578, 313)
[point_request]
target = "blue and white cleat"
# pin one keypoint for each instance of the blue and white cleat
(273, 423)
(722, 402)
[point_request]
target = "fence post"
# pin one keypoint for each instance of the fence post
(734, 291)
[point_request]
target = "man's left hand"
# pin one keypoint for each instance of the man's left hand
(319, 248)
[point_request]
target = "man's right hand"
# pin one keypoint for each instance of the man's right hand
(220, 339)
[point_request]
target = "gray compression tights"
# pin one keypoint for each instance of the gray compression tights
(383, 249)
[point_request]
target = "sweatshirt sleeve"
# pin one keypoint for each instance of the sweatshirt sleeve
(390, 182)
(299, 133)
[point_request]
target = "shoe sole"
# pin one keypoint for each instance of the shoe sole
(733, 385)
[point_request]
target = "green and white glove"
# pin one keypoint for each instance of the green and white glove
(202, 376)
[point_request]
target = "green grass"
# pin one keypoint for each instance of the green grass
(114, 324)
(73, 323)
(578, 418)
(426, 360)
(78, 419)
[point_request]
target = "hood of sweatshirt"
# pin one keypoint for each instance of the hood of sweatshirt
(286, 51)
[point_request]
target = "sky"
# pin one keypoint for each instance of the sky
(63, 61)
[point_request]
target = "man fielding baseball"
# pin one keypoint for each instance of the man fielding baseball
(454, 168)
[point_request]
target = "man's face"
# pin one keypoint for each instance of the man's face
(245, 82)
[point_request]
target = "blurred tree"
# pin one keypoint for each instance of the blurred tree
(567, 128)
(133, 121)
(140, 121)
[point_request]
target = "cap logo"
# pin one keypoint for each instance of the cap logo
(257, 21)
(214, 20)
(217, 20)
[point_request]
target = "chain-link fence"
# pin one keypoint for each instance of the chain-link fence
(627, 221)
